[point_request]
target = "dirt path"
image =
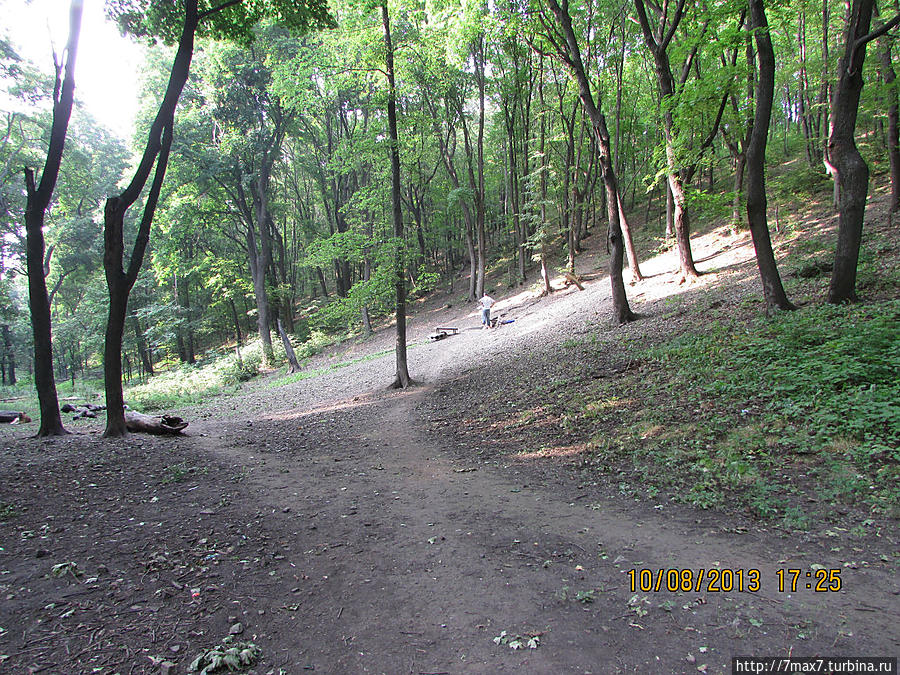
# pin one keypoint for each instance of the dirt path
(345, 529)
(414, 560)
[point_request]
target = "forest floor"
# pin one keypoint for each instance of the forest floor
(330, 525)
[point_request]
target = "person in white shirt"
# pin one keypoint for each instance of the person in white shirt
(486, 303)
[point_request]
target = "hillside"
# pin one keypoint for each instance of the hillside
(520, 510)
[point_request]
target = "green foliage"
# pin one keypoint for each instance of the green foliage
(820, 382)
(7, 511)
(163, 20)
(834, 368)
(799, 181)
(229, 656)
(191, 385)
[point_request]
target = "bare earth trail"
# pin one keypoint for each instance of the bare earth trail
(417, 560)
(346, 529)
(411, 554)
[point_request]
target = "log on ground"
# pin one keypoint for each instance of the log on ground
(164, 425)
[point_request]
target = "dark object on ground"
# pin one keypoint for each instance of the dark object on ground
(13, 417)
(85, 410)
(167, 424)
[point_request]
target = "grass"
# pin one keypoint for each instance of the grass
(764, 414)
(193, 385)
(783, 416)
(793, 419)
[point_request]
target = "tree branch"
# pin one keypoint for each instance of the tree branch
(213, 10)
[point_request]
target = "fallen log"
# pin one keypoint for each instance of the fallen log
(13, 417)
(572, 279)
(165, 425)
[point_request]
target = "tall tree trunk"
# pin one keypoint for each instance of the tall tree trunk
(37, 201)
(258, 276)
(479, 195)
(542, 194)
(571, 54)
(893, 113)
(658, 44)
(852, 170)
(118, 280)
(756, 156)
(402, 379)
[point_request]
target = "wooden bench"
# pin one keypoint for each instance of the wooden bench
(443, 331)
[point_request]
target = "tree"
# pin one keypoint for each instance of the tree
(756, 155)
(658, 43)
(852, 170)
(402, 379)
(37, 201)
(565, 45)
(232, 19)
(893, 106)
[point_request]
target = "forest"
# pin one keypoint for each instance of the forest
(520, 129)
(677, 443)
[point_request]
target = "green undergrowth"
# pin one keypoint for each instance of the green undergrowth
(785, 416)
(196, 384)
(315, 372)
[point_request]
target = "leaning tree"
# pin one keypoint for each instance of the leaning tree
(230, 19)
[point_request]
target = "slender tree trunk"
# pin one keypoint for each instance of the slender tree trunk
(143, 352)
(237, 322)
(670, 212)
(756, 154)
(893, 113)
(479, 195)
(37, 201)
(320, 275)
(572, 56)
(9, 356)
(542, 194)
(402, 379)
(740, 161)
(293, 364)
(629, 245)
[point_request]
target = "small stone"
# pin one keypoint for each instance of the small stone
(690, 658)
(41, 553)
(236, 629)
(175, 648)
(166, 668)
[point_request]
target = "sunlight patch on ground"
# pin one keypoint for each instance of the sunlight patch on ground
(346, 404)
(534, 418)
(555, 452)
(612, 403)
